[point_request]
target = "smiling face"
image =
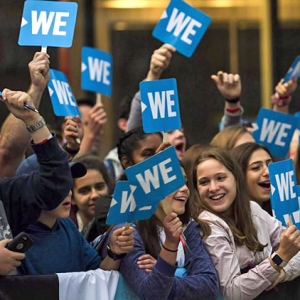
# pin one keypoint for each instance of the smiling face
(257, 176)
(216, 185)
(178, 199)
(87, 190)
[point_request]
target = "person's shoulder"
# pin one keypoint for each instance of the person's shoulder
(256, 210)
(68, 224)
(210, 217)
(216, 223)
(259, 215)
(255, 206)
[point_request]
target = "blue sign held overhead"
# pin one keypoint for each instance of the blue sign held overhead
(48, 23)
(182, 26)
(294, 71)
(160, 105)
(284, 194)
(96, 71)
(157, 176)
(124, 207)
(62, 98)
(274, 130)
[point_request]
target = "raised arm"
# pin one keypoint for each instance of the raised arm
(160, 61)
(230, 87)
(14, 137)
(92, 131)
(25, 196)
(283, 95)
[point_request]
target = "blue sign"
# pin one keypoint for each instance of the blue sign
(182, 26)
(96, 71)
(124, 208)
(284, 195)
(157, 176)
(48, 23)
(274, 130)
(160, 105)
(62, 98)
(294, 71)
(297, 114)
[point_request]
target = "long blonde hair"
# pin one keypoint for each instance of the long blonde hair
(228, 137)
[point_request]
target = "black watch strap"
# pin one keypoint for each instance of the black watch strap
(113, 255)
(235, 100)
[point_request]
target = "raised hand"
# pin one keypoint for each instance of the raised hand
(39, 70)
(229, 85)
(73, 131)
(160, 60)
(286, 89)
(15, 101)
(96, 122)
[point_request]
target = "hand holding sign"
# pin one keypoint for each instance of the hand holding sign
(287, 88)
(160, 61)
(294, 71)
(289, 243)
(121, 240)
(39, 72)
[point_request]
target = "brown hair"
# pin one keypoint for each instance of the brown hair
(240, 221)
(188, 161)
(242, 154)
(149, 232)
(228, 136)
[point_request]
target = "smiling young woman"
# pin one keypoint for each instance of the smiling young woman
(238, 234)
(254, 160)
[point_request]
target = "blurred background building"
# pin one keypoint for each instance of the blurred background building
(259, 39)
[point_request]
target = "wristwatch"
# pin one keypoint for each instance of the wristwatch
(36, 126)
(113, 255)
(278, 260)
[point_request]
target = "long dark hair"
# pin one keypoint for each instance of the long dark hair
(242, 154)
(240, 221)
(148, 230)
(129, 142)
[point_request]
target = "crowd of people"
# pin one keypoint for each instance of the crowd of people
(60, 196)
